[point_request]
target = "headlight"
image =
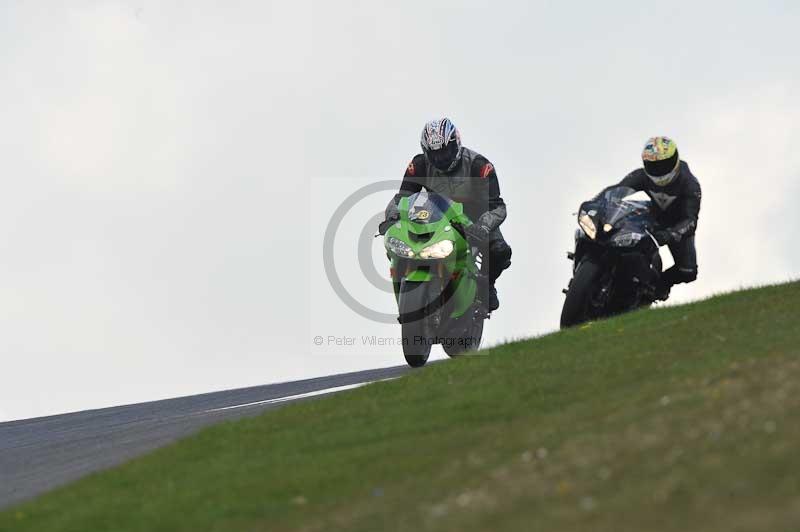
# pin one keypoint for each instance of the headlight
(587, 225)
(398, 247)
(438, 250)
(625, 240)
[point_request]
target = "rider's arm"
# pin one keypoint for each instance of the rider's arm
(634, 180)
(496, 213)
(691, 211)
(412, 183)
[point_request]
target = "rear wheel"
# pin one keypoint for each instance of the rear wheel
(469, 341)
(414, 299)
(579, 296)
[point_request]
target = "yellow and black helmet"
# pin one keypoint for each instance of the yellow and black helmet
(661, 161)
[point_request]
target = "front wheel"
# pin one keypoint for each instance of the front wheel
(579, 296)
(416, 348)
(414, 299)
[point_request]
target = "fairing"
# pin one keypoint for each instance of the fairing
(426, 219)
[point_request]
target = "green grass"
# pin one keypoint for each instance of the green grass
(684, 418)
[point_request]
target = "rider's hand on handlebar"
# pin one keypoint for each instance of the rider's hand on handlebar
(663, 237)
(477, 234)
(387, 223)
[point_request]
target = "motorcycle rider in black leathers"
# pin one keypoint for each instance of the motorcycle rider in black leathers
(675, 194)
(448, 168)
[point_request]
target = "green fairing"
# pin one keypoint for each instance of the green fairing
(459, 267)
(419, 276)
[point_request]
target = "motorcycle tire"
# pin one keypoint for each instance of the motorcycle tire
(416, 343)
(576, 304)
(469, 341)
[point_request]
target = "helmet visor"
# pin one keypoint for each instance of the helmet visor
(663, 172)
(660, 168)
(443, 158)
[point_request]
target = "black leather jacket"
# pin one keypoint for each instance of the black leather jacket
(676, 206)
(473, 183)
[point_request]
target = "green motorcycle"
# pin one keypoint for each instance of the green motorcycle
(436, 277)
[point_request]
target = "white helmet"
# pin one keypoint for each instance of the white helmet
(661, 161)
(441, 144)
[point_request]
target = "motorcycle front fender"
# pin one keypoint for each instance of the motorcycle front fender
(419, 276)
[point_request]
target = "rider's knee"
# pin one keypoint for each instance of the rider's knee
(687, 275)
(501, 252)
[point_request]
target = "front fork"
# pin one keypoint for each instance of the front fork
(604, 293)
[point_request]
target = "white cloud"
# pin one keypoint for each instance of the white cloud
(167, 171)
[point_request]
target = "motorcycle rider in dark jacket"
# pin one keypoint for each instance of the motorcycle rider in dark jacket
(676, 195)
(448, 168)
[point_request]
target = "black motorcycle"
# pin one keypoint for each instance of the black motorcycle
(616, 265)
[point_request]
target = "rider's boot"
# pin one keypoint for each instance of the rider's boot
(662, 290)
(494, 302)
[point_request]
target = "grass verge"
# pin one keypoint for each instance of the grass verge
(684, 418)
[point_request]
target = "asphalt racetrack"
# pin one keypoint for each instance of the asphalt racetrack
(37, 455)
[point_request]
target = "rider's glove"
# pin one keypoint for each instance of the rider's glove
(663, 237)
(477, 234)
(387, 223)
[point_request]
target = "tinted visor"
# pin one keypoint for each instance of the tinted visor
(661, 168)
(444, 157)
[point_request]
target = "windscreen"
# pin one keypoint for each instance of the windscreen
(618, 193)
(427, 207)
(620, 202)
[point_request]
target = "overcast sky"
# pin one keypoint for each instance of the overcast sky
(169, 169)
